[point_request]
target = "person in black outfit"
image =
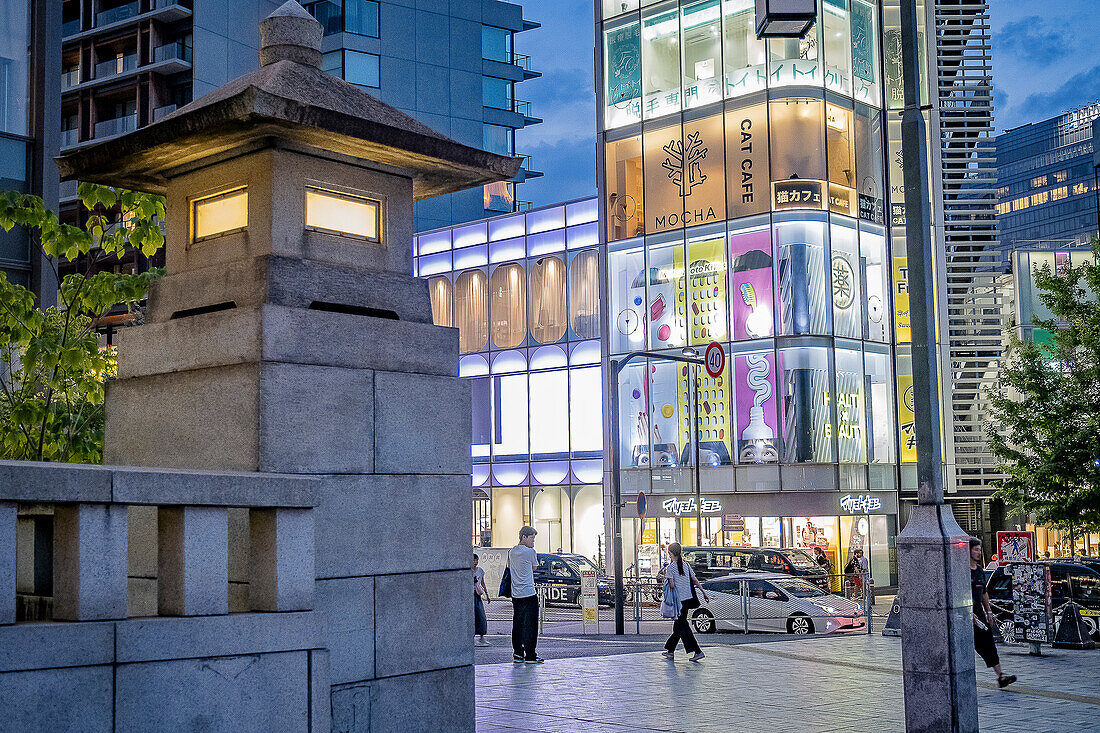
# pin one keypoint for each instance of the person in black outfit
(983, 616)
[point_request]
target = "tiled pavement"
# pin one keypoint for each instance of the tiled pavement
(823, 685)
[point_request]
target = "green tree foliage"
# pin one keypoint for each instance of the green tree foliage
(53, 371)
(1045, 426)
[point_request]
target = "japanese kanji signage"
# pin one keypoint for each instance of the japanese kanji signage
(798, 194)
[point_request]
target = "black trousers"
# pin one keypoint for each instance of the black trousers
(681, 629)
(481, 623)
(525, 626)
(985, 646)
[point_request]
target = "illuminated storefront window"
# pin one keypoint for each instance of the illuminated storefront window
(806, 405)
(625, 192)
(660, 62)
(472, 310)
(584, 294)
(548, 315)
(508, 306)
(745, 59)
(439, 288)
(701, 52)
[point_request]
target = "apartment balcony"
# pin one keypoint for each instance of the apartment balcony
(70, 137)
(116, 66)
(67, 191)
(523, 108)
(172, 57)
(161, 112)
(70, 78)
(163, 10)
(527, 170)
(116, 126)
(523, 61)
(117, 14)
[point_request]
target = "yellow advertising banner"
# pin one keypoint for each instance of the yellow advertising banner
(901, 300)
(907, 437)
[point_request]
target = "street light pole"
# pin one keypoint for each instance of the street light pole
(614, 454)
(933, 563)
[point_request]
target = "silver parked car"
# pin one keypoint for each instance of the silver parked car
(775, 602)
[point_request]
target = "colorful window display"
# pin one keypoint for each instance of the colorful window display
(704, 308)
(756, 399)
(846, 278)
(806, 409)
(623, 73)
(752, 295)
(629, 309)
(666, 312)
(851, 406)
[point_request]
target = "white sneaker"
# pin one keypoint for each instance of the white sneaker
(668, 655)
(697, 656)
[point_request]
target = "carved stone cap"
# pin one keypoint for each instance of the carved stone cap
(290, 34)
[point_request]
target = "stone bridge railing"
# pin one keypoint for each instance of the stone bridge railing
(170, 671)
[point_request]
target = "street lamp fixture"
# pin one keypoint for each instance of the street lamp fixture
(784, 18)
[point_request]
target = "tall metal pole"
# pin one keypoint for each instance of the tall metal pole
(936, 627)
(616, 499)
(694, 376)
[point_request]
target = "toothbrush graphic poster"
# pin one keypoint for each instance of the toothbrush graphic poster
(751, 293)
(754, 380)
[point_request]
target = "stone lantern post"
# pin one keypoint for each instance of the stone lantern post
(288, 336)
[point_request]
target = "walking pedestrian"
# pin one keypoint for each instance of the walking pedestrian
(983, 616)
(681, 577)
(481, 622)
(525, 604)
(822, 559)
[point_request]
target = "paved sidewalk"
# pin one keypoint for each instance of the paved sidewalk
(823, 685)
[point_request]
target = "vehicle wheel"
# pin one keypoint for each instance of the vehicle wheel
(1007, 629)
(702, 621)
(800, 625)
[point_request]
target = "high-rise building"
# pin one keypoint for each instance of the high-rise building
(127, 64)
(1046, 183)
(29, 88)
(453, 67)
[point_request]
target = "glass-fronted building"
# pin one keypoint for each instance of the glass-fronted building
(452, 66)
(1046, 183)
(743, 186)
(524, 293)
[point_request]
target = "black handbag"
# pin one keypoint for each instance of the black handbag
(506, 583)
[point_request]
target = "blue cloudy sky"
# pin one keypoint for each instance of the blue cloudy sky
(1045, 61)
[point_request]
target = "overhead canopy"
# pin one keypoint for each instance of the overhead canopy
(288, 98)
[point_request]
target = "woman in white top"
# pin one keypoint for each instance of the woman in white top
(680, 575)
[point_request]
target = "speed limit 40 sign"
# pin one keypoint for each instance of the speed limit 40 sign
(715, 358)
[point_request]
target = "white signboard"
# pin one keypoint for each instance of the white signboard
(589, 598)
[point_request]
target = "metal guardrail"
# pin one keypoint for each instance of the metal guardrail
(643, 604)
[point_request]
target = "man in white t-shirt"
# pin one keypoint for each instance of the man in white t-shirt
(525, 604)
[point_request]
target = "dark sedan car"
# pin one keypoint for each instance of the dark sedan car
(562, 573)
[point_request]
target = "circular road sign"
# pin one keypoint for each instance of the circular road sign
(641, 505)
(716, 359)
